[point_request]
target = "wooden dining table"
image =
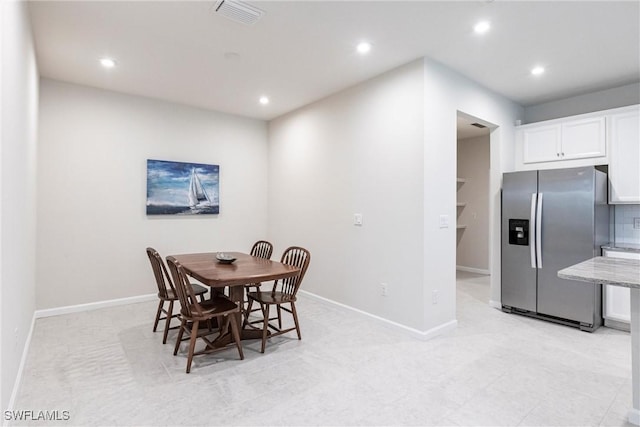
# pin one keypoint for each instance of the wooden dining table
(246, 269)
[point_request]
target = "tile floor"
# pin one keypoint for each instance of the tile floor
(106, 367)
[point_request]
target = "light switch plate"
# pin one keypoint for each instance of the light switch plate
(444, 221)
(357, 219)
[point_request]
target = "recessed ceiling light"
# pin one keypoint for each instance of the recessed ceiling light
(482, 27)
(536, 71)
(108, 62)
(363, 48)
(264, 100)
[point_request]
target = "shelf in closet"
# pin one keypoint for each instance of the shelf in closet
(460, 181)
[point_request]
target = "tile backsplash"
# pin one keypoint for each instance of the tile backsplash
(623, 227)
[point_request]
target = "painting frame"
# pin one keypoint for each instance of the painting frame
(182, 188)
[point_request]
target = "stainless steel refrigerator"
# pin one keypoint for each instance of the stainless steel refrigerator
(552, 219)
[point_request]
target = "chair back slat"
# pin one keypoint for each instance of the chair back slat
(160, 273)
(262, 249)
(297, 257)
(188, 302)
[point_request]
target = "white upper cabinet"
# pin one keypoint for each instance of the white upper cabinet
(583, 139)
(624, 165)
(541, 144)
(610, 137)
(558, 140)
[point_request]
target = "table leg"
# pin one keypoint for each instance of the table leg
(634, 413)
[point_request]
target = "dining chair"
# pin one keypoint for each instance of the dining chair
(283, 292)
(167, 292)
(194, 313)
(260, 249)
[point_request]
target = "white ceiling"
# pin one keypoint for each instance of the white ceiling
(302, 51)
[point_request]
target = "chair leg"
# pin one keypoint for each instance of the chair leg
(158, 313)
(234, 330)
(247, 313)
(168, 322)
(279, 317)
(265, 327)
(223, 323)
(295, 319)
(245, 302)
(192, 344)
(183, 324)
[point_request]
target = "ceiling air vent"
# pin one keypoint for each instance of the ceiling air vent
(238, 11)
(478, 125)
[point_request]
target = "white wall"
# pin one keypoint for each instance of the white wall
(358, 151)
(18, 125)
(473, 241)
(92, 225)
(445, 94)
(387, 149)
(621, 96)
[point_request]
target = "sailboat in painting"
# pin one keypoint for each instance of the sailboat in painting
(198, 197)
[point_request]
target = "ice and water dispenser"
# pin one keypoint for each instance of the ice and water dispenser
(519, 232)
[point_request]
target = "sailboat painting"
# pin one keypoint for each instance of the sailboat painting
(177, 188)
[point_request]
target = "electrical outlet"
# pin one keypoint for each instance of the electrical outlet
(434, 297)
(636, 223)
(384, 289)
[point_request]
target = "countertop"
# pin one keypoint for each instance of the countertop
(608, 271)
(622, 247)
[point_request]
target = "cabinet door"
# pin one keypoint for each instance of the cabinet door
(617, 300)
(624, 166)
(584, 138)
(541, 144)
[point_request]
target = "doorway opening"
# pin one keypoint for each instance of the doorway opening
(473, 238)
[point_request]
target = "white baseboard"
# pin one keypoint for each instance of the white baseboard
(422, 335)
(93, 305)
(473, 270)
(617, 324)
(23, 361)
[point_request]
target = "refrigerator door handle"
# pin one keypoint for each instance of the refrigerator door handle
(532, 231)
(539, 231)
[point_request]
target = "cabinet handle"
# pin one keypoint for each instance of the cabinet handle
(562, 154)
(558, 154)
